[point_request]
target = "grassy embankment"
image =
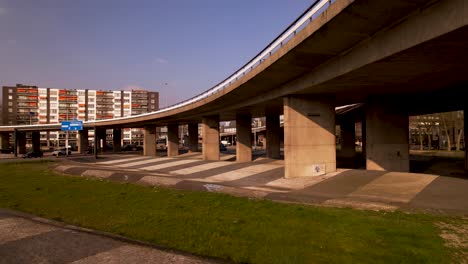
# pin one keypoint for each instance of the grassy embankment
(237, 229)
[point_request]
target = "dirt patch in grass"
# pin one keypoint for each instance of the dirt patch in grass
(455, 235)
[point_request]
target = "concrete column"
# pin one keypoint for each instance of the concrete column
(387, 138)
(172, 140)
(210, 134)
(465, 131)
(117, 139)
(149, 141)
(36, 140)
(244, 140)
(100, 136)
(83, 141)
(5, 138)
(21, 142)
(273, 134)
(193, 137)
(348, 138)
(309, 137)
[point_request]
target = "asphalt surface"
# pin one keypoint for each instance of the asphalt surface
(28, 239)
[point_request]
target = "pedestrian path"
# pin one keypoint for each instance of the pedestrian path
(27, 239)
(264, 178)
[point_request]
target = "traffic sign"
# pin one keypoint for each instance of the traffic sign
(72, 125)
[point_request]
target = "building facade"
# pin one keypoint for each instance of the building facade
(27, 104)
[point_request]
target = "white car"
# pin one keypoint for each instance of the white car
(61, 152)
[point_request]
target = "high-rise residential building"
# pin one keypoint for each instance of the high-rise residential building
(27, 104)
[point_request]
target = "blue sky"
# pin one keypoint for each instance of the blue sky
(177, 47)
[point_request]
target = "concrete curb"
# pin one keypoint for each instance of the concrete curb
(62, 225)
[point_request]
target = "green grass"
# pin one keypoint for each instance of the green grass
(217, 225)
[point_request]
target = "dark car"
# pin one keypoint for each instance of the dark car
(222, 147)
(131, 147)
(33, 154)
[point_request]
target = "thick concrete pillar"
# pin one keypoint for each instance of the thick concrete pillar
(36, 141)
(5, 138)
(117, 139)
(348, 138)
(210, 134)
(100, 136)
(309, 137)
(172, 140)
(465, 138)
(193, 137)
(273, 136)
(244, 139)
(387, 138)
(21, 142)
(83, 141)
(149, 141)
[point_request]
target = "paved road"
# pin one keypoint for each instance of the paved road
(264, 178)
(26, 240)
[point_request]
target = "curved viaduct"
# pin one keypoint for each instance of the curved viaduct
(399, 57)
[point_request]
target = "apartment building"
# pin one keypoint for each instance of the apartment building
(27, 104)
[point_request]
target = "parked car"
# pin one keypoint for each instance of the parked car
(131, 147)
(33, 154)
(161, 144)
(222, 147)
(61, 152)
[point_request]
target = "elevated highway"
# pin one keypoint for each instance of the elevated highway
(399, 57)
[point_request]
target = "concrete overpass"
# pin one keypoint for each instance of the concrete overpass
(398, 57)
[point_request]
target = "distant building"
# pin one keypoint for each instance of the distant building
(27, 104)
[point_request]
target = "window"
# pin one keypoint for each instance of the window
(90, 99)
(53, 98)
(54, 105)
(53, 111)
(90, 111)
(10, 97)
(10, 90)
(126, 95)
(43, 111)
(81, 93)
(90, 105)
(152, 101)
(10, 110)
(53, 92)
(10, 103)
(126, 100)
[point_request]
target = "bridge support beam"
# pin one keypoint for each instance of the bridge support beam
(36, 140)
(387, 132)
(244, 139)
(348, 138)
(309, 137)
(193, 137)
(273, 134)
(117, 139)
(5, 138)
(83, 142)
(172, 140)
(210, 134)
(149, 141)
